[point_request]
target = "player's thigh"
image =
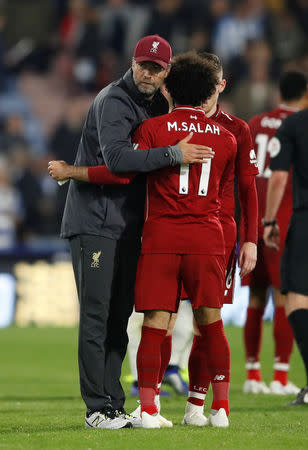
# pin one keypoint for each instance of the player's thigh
(203, 278)
(294, 264)
(206, 316)
(279, 298)
(158, 282)
(295, 301)
(258, 296)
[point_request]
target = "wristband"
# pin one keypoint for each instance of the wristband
(270, 223)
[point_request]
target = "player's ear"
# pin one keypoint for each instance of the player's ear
(167, 70)
(222, 85)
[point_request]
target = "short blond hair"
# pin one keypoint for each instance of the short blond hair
(213, 61)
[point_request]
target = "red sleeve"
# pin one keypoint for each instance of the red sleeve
(246, 162)
(102, 175)
(249, 207)
(253, 126)
(226, 189)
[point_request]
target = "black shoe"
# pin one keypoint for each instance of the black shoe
(106, 418)
(301, 399)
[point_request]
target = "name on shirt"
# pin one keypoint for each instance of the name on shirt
(270, 122)
(195, 127)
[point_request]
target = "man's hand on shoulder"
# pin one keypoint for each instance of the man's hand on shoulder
(194, 153)
(247, 258)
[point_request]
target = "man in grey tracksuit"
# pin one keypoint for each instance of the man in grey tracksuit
(104, 223)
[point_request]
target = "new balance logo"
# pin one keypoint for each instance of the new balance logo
(95, 259)
(194, 117)
(219, 377)
(97, 421)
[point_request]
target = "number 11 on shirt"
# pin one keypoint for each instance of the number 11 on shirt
(204, 178)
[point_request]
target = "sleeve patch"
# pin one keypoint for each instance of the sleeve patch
(274, 147)
(253, 158)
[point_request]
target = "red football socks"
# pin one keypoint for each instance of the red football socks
(166, 348)
(148, 366)
(218, 355)
(283, 337)
(252, 338)
(210, 361)
(199, 374)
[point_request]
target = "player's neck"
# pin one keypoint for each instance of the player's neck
(291, 105)
(212, 111)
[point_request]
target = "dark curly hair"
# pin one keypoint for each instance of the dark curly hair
(191, 80)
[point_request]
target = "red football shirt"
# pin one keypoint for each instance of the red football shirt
(263, 127)
(182, 202)
(245, 164)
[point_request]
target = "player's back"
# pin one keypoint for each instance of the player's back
(263, 127)
(245, 164)
(182, 202)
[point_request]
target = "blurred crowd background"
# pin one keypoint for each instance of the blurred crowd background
(55, 55)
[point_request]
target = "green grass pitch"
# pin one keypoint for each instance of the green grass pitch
(41, 408)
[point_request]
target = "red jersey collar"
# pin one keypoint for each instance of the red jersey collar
(217, 112)
(189, 108)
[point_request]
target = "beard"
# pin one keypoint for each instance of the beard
(147, 90)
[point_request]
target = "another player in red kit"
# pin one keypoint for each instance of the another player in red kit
(183, 243)
(293, 91)
(245, 172)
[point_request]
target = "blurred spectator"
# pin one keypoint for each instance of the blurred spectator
(63, 142)
(13, 133)
(275, 6)
(47, 94)
(287, 39)
(256, 92)
(300, 9)
(248, 21)
(205, 22)
(26, 181)
(10, 207)
(167, 18)
(79, 32)
(54, 54)
(3, 74)
(199, 40)
(71, 23)
(28, 32)
(122, 24)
